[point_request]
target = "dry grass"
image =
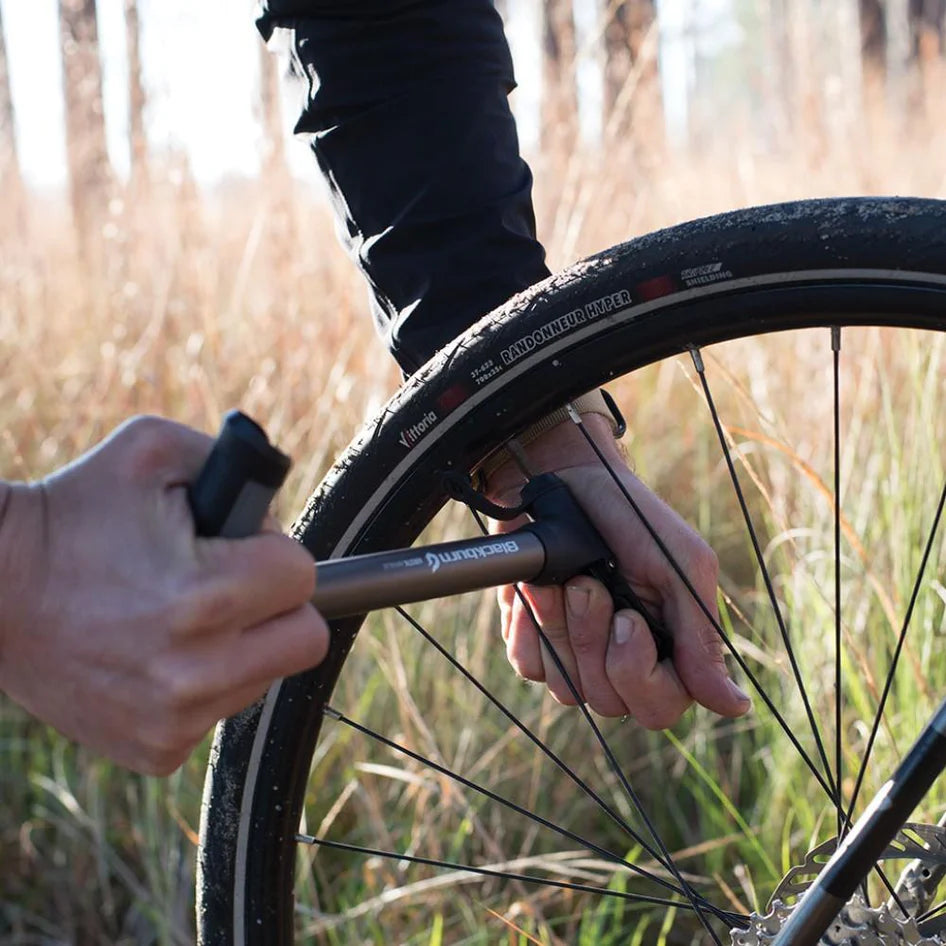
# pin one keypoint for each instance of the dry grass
(191, 312)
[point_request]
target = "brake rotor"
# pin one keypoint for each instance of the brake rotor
(901, 921)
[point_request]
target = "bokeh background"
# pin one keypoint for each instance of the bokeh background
(166, 246)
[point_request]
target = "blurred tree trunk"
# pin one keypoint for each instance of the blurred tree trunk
(919, 29)
(807, 116)
(900, 61)
(775, 76)
(277, 181)
(928, 26)
(137, 137)
(274, 147)
(632, 99)
(10, 179)
(559, 75)
(928, 32)
(90, 176)
(873, 35)
(898, 27)
(873, 30)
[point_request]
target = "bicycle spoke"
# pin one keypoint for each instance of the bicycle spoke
(507, 803)
(732, 919)
(838, 761)
(766, 577)
(932, 912)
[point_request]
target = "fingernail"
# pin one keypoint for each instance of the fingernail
(738, 692)
(622, 628)
(578, 600)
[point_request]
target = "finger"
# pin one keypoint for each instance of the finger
(162, 743)
(523, 650)
(650, 689)
(284, 646)
(589, 610)
(547, 606)
(271, 524)
(204, 670)
(699, 651)
(208, 682)
(506, 597)
(281, 647)
(244, 582)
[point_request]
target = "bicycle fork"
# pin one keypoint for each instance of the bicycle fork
(869, 836)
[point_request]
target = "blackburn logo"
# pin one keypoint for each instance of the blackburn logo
(435, 559)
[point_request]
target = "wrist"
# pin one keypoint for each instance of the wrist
(561, 447)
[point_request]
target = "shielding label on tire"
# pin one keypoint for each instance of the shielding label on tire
(565, 323)
(704, 275)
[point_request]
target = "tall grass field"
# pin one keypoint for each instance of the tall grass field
(239, 296)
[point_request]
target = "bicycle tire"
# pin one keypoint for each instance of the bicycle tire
(806, 264)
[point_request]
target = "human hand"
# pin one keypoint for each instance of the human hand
(122, 629)
(612, 659)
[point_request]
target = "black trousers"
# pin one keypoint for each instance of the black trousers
(406, 105)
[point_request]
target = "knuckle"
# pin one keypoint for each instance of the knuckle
(713, 646)
(184, 615)
(163, 749)
(698, 562)
(703, 564)
(201, 606)
(658, 717)
(557, 635)
(182, 690)
(605, 705)
(176, 685)
(562, 694)
(145, 437)
(587, 640)
(144, 429)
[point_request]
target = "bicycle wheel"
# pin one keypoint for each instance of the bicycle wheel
(820, 486)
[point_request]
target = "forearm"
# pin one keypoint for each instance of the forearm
(412, 129)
